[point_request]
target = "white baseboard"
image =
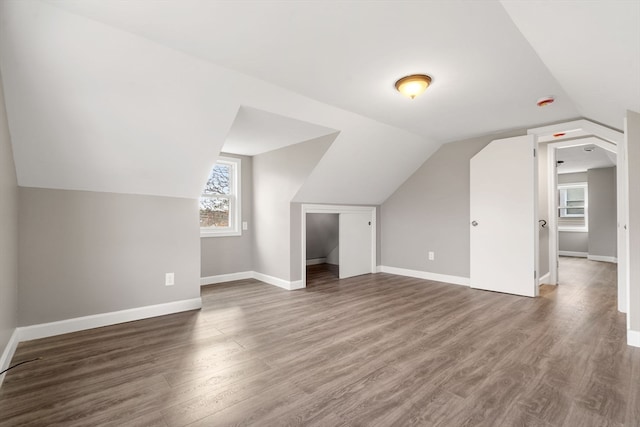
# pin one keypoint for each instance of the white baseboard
(574, 254)
(316, 261)
(378, 269)
(545, 279)
(633, 338)
(296, 285)
(221, 278)
(456, 280)
(44, 330)
(603, 258)
(281, 283)
(7, 354)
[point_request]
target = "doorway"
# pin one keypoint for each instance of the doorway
(355, 253)
(585, 201)
(322, 251)
(577, 133)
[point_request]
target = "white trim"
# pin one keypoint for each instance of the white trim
(306, 208)
(603, 258)
(316, 261)
(281, 283)
(222, 278)
(633, 338)
(243, 275)
(573, 254)
(545, 133)
(51, 329)
(565, 229)
(7, 354)
(456, 280)
(544, 280)
(297, 284)
(378, 269)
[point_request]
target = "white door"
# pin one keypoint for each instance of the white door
(355, 244)
(504, 218)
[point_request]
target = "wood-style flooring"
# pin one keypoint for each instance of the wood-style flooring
(374, 350)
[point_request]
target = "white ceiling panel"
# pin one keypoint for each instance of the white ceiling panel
(592, 48)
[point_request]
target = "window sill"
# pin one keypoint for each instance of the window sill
(574, 229)
(226, 233)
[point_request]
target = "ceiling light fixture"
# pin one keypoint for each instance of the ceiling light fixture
(589, 148)
(543, 102)
(413, 85)
(559, 134)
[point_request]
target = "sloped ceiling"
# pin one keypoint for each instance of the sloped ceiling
(140, 96)
(255, 132)
(591, 47)
(576, 159)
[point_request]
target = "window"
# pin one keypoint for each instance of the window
(572, 200)
(573, 207)
(220, 200)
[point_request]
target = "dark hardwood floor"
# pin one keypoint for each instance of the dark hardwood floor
(375, 350)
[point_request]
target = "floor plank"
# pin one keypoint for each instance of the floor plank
(369, 350)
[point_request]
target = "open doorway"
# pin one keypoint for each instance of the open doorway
(585, 202)
(322, 251)
(355, 253)
(579, 133)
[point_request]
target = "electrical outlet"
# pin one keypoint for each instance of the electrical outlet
(432, 255)
(245, 226)
(169, 279)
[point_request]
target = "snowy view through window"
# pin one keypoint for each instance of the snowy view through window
(214, 203)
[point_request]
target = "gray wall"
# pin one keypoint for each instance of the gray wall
(83, 253)
(633, 158)
(277, 177)
(322, 234)
(572, 178)
(430, 212)
(573, 241)
(232, 254)
(8, 233)
(603, 216)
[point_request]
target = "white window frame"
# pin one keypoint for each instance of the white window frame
(569, 217)
(235, 201)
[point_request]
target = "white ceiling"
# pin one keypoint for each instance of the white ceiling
(485, 74)
(139, 96)
(255, 132)
(576, 159)
(591, 47)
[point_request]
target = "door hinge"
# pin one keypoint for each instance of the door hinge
(535, 274)
(534, 152)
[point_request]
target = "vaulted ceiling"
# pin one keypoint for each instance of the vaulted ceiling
(140, 96)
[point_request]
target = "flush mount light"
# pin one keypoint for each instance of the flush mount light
(413, 85)
(542, 102)
(589, 148)
(559, 134)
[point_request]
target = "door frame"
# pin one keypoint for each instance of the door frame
(334, 209)
(576, 133)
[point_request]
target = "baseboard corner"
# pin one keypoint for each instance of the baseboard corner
(633, 338)
(8, 352)
(544, 280)
(223, 278)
